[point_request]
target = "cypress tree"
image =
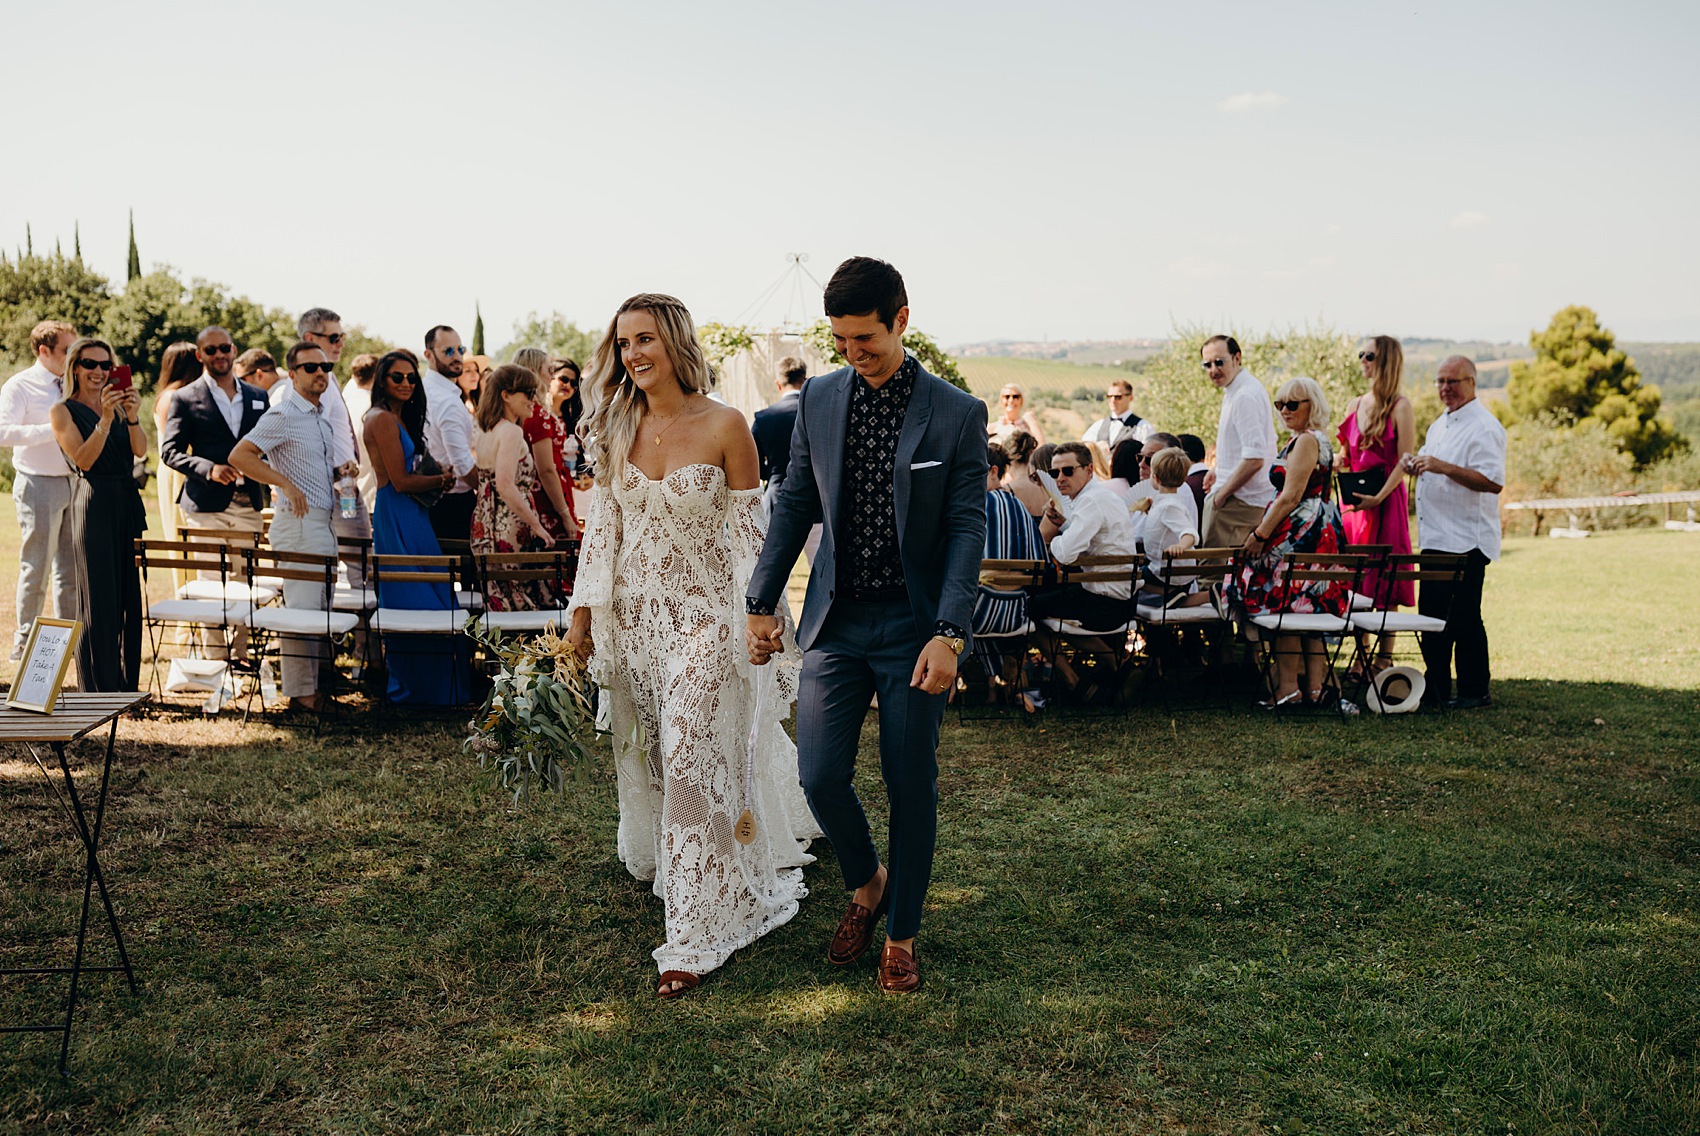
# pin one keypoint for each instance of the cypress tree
(477, 330)
(135, 269)
(77, 240)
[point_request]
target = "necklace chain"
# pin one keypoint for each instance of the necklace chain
(667, 418)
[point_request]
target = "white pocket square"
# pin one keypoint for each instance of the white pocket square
(924, 465)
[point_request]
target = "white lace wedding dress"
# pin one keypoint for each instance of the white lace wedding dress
(697, 730)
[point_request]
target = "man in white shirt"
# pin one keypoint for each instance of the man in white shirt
(1097, 525)
(449, 430)
(44, 487)
(1460, 472)
(1238, 489)
(1120, 424)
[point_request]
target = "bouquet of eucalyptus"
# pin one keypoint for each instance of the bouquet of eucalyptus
(534, 729)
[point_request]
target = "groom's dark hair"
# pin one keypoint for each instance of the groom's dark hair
(863, 284)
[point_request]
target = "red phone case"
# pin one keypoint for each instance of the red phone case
(120, 379)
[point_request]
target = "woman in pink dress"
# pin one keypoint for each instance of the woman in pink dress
(1377, 432)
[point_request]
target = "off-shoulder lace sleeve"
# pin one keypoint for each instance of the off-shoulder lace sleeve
(746, 532)
(593, 587)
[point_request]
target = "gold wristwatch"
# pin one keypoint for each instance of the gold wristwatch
(955, 642)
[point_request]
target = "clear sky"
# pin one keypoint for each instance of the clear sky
(1061, 170)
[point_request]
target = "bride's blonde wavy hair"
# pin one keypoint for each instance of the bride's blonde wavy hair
(616, 404)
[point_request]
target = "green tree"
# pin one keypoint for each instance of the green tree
(1580, 376)
(158, 309)
(358, 341)
(933, 357)
(477, 329)
(134, 269)
(1180, 398)
(34, 288)
(556, 334)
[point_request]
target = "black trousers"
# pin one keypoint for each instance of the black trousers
(1092, 610)
(110, 655)
(1460, 605)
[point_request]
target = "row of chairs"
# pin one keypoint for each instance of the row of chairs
(230, 584)
(1157, 639)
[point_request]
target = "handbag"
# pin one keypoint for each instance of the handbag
(1364, 484)
(427, 466)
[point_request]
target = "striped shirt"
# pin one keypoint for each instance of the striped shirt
(296, 439)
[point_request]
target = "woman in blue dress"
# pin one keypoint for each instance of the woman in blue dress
(426, 670)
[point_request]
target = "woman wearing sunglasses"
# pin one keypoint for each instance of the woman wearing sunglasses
(99, 430)
(428, 670)
(1302, 518)
(1009, 416)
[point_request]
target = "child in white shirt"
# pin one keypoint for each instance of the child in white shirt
(1171, 530)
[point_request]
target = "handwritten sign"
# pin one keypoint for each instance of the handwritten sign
(52, 644)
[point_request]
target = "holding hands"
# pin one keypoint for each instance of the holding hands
(762, 638)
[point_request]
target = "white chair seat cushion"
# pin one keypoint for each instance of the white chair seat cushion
(1203, 613)
(1070, 627)
(1361, 602)
(469, 601)
(1312, 623)
(523, 620)
(213, 590)
(235, 613)
(429, 621)
(1396, 621)
(303, 621)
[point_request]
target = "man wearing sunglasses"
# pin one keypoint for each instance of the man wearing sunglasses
(206, 420)
(449, 430)
(43, 488)
(1121, 423)
(292, 447)
(1097, 525)
(1238, 489)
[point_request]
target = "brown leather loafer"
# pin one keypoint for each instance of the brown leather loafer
(900, 971)
(856, 930)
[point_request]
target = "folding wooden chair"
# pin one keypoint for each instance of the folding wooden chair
(1100, 661)
(224, 611)
(1001, 642)
(552, 569)
(1372, 625)
(1165, 626)
(1299, 570)
(282, 631)
(418, 630)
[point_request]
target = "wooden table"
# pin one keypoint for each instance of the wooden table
(75, 716)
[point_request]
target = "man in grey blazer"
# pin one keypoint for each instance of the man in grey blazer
(891, 461)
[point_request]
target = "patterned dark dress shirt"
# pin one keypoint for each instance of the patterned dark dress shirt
(870, 458)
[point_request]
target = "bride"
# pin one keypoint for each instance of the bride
(672, 534)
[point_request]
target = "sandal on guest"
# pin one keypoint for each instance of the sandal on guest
(1277, 703)
(666, 990)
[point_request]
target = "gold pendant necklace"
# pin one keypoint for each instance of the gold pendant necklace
(669, 419)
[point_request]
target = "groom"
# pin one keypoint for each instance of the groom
(892, 461)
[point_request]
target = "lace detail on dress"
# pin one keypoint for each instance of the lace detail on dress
(662, 571)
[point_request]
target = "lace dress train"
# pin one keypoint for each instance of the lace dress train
(698, 734)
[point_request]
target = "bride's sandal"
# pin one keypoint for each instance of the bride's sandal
(676, 984)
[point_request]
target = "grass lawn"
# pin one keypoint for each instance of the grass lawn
(1202, 922)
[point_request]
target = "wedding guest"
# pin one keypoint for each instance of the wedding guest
(1238, 488)
(1197, 468)
(1012, 533)
(1097, 525)
(504, 519)
(772, 425)
(1013, 416)
(203, 424)
(323, 328)
(1022, 449)
(99, 431)
(449, 428)
(256, 367)
(1120, 424)
(1460, 472)
(292, 448)
(472, 376)
(547, 435)
(1171, 531)
(357, 397)
(568, 404)
(42, 490)
(428, 670)
(1377, 432)
(1303, 518)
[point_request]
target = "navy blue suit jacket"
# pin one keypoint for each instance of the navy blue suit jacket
(196, 437)
(772, 428)
(938, 486)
